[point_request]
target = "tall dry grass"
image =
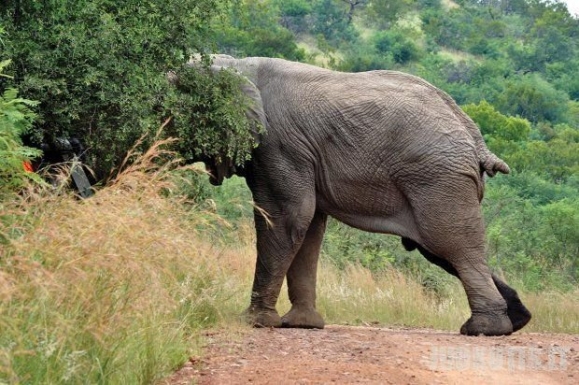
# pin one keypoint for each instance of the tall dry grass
(118, 288)
(357, 296)
(112, 289)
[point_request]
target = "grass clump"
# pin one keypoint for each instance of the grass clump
(112, 289)
(355, 295)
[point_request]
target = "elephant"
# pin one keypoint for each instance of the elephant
(382, 151)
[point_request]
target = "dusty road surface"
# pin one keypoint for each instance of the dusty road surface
(375, 355)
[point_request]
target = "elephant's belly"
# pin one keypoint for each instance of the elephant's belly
(381, 218)
(380, 224)
(367, 202)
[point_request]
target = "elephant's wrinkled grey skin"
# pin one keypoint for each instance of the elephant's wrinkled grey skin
(381, 151)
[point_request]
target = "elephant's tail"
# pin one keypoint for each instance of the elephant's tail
(491, 164)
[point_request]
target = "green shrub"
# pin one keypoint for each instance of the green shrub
(251, 28)
(359, 60)
(294, 14)
(98, 67)
(492, 122)
(533, 98)
(16, 118)
(209, 115)
(398, 45)
(331, 20)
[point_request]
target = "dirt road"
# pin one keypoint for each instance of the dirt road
(375, 355)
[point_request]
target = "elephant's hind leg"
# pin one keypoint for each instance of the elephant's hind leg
(301, 279)
(517, 312)
(451, 228)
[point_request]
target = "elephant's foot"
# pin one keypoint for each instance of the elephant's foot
(519, 315)
(262, 318)
(517, 312)
(487, 324)
(302, 317)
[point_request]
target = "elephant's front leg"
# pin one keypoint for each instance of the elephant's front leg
(277, 244)
(301, 279)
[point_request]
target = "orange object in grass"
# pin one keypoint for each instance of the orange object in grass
(28, 166)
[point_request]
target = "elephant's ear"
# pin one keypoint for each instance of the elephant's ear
(255, 112)
(224, 167)
(220, 165)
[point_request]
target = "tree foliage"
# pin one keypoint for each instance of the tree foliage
(496, 125)
(98, 67)
(251, 28)
(209, 113)
(535, 99)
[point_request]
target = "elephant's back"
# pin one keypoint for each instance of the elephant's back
(379, 108)
(378, 117)
(363, 98)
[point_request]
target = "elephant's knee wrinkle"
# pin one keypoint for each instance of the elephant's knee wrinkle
(297, 227)
(297, 234)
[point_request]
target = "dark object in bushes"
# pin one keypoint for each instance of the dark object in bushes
(64, 150)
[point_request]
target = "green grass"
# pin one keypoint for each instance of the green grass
(357, 296)
(553, 311)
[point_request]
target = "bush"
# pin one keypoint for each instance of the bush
(16, 119)
(531, 230)
(493, 123)
(359, 60)
(209, 116)
(98, 67)
(294, 14)
(251, 29)
(398, 45)
(330, 19)
(534, 99)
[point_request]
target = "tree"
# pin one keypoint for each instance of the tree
(534, 99)
(560, 231)
(497, 125)
(294, 14)
(397, 44)
(251, 28)
(330, 20)
(384, 12)
(98, 67)
(556, 160)
(353, 4)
